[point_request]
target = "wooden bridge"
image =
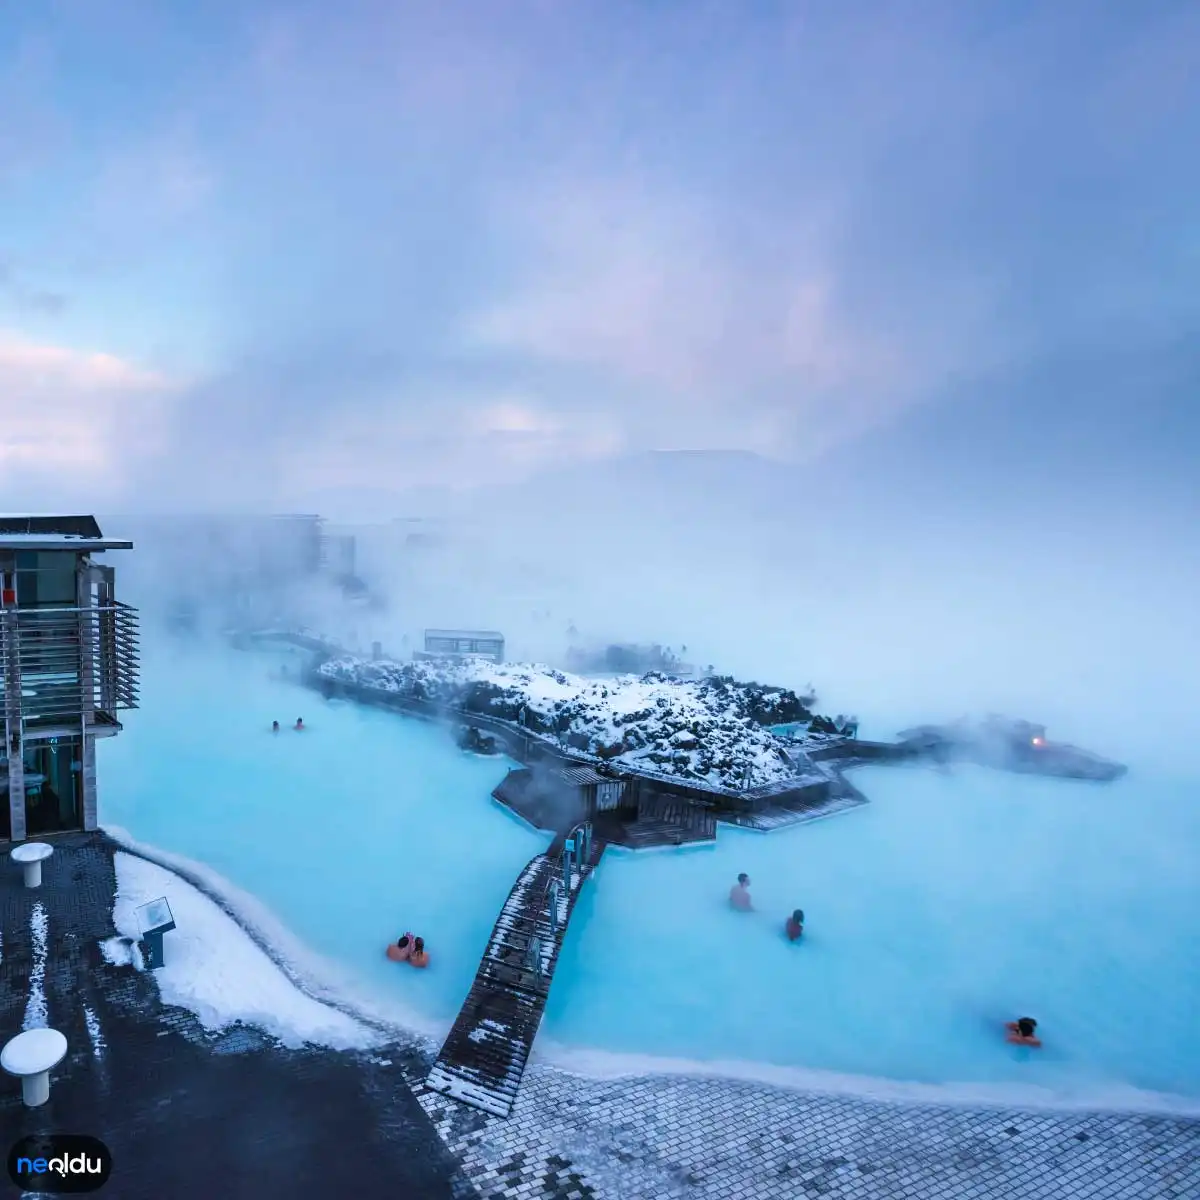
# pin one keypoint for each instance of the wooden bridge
(484, 1055)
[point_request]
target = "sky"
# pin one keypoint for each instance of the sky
(313, 256)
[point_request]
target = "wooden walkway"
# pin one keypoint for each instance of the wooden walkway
(484, 1055)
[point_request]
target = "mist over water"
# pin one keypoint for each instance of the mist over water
(1088, 627)
(969, 892)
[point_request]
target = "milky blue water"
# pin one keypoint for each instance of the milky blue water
(952, 902)
(949, 904)
(351, 832)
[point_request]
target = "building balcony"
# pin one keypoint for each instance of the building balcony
(66, 665)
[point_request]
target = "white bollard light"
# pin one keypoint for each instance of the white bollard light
(30, 856)
(31, 1056)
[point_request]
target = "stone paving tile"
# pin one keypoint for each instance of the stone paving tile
(651, 1138)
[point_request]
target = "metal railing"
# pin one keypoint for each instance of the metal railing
(70, 661)
(576, 855)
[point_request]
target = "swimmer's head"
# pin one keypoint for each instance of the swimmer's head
(275, 726)
(1026, 1026)
(798, 916)
(418, 945)
(743, 879)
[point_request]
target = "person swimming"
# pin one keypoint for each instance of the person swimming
(739, 894)
(1023, 1032)
(795, 925)
(401, 949)
(274, 726)
(299, 726)
(419, 956)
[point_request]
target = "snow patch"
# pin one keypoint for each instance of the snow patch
(36, 1013)
(122, 952)
(308, 971)
(603, 1064)
(214, 969)
(95, 1034)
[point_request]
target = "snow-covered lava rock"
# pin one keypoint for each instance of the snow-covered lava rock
(710, 730)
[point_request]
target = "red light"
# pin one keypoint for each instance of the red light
(10, 596)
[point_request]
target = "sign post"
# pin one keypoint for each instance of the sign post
(154, 919)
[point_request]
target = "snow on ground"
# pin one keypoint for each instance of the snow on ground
(710, 730)
(36, 1014)
(214, 969)
(95, 1034)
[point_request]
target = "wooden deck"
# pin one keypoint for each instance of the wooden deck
(779, 816)
(484, 1055)
(663, 821)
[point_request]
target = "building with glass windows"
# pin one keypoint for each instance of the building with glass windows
(69, 657)
(462, 643)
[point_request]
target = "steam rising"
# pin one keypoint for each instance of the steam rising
(902, 623)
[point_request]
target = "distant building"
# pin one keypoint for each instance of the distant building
(69, 650)
(339, 552)
(463, 643)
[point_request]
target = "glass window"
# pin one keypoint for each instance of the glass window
(56, 578)
(45, 578)
(53, 786)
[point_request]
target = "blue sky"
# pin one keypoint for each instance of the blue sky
(265, 254)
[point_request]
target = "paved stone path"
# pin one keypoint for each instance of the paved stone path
(187, 1114)
(656, 1137)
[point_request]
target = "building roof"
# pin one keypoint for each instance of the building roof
(85, 527)
(583, 776)
(27, 531)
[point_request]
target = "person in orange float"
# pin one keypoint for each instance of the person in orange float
(1023, 1032)
(419, 956)
(401, 949)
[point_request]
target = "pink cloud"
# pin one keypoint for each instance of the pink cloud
(91, 412)
(682, 312)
